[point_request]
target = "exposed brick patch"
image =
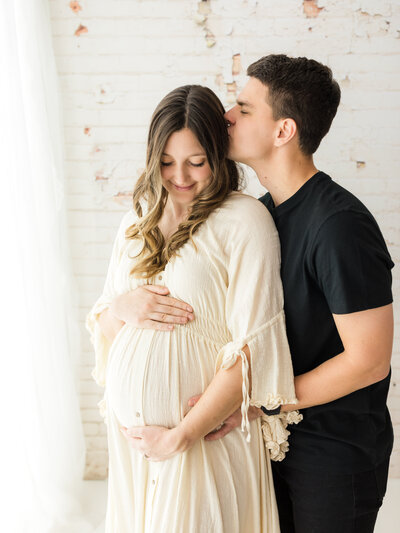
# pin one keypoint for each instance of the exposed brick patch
(75, 6)
(203, 10)
(81, 30)
(236, 65)
(311, 9)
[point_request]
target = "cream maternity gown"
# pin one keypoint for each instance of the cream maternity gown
(232, 281)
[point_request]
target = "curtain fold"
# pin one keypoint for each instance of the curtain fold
(42, 445)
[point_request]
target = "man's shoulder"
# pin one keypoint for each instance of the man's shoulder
(322, 198)
(330, 201)
(340, 198)
(343, 220)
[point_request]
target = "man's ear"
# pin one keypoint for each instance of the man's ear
(286, 130)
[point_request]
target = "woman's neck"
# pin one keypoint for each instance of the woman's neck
(174, 213)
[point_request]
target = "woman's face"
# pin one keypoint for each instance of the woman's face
(185, 170)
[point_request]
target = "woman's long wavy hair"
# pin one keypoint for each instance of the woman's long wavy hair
(200, 110)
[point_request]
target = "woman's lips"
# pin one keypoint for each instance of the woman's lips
(183, 188)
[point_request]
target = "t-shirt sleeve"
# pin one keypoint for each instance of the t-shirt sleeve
(351, 263)
(255, 317)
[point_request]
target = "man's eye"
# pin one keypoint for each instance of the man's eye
(244, 113)
(198, 164)
(165, 164)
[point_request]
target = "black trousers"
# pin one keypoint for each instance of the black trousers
(328, 503)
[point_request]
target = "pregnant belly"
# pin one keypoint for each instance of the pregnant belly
(152, 374)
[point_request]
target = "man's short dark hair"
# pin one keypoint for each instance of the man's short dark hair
(301, 89)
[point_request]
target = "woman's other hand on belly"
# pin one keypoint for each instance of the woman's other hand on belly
(156, 443)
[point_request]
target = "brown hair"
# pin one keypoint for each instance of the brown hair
(301, 89)
(199, 109)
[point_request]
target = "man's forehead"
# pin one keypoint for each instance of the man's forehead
(243, 101)
(252, 93)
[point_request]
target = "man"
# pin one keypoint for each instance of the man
(336, 274)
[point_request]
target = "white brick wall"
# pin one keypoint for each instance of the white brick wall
(135, 51)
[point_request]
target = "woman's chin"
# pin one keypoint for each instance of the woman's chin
(182, 196)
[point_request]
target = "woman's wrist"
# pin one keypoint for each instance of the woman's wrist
(114, 308)
(182, 439)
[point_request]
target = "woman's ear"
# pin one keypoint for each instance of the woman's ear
(286, 130)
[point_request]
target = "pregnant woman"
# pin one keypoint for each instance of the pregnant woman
(216, 249)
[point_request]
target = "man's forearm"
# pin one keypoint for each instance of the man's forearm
(331, 380)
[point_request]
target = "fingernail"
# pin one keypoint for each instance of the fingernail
(190, 317)
(189, 309)
(171, 327)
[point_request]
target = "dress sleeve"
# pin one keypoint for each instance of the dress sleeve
(100, 342)
(255, 317)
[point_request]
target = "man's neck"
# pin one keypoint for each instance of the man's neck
(283, 178)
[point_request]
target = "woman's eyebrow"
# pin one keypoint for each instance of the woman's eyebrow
(191, 155)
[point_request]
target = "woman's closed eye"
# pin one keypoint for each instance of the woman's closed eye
(167, 164)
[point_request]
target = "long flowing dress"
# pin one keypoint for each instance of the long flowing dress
(231, 279)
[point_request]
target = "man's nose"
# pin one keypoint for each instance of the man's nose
(229, 117)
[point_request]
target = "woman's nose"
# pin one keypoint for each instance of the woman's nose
(180, 175)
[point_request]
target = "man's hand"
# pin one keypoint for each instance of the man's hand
(232, 422)
(150, 307)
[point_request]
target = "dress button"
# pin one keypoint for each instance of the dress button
(137, 414)
(153, 481)
(160, 277)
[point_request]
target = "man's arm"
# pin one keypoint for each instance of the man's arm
(367, 337)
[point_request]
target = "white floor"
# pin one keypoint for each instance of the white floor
(388, 518)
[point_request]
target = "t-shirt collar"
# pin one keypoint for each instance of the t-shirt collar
(299, 195)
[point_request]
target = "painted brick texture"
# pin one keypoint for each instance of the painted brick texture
(117, 58)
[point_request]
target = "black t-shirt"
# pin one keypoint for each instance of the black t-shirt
(334, 260)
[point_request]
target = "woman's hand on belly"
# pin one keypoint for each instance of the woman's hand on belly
(156, 443)
(150, 307)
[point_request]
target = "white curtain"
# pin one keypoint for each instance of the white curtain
(42, 447)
